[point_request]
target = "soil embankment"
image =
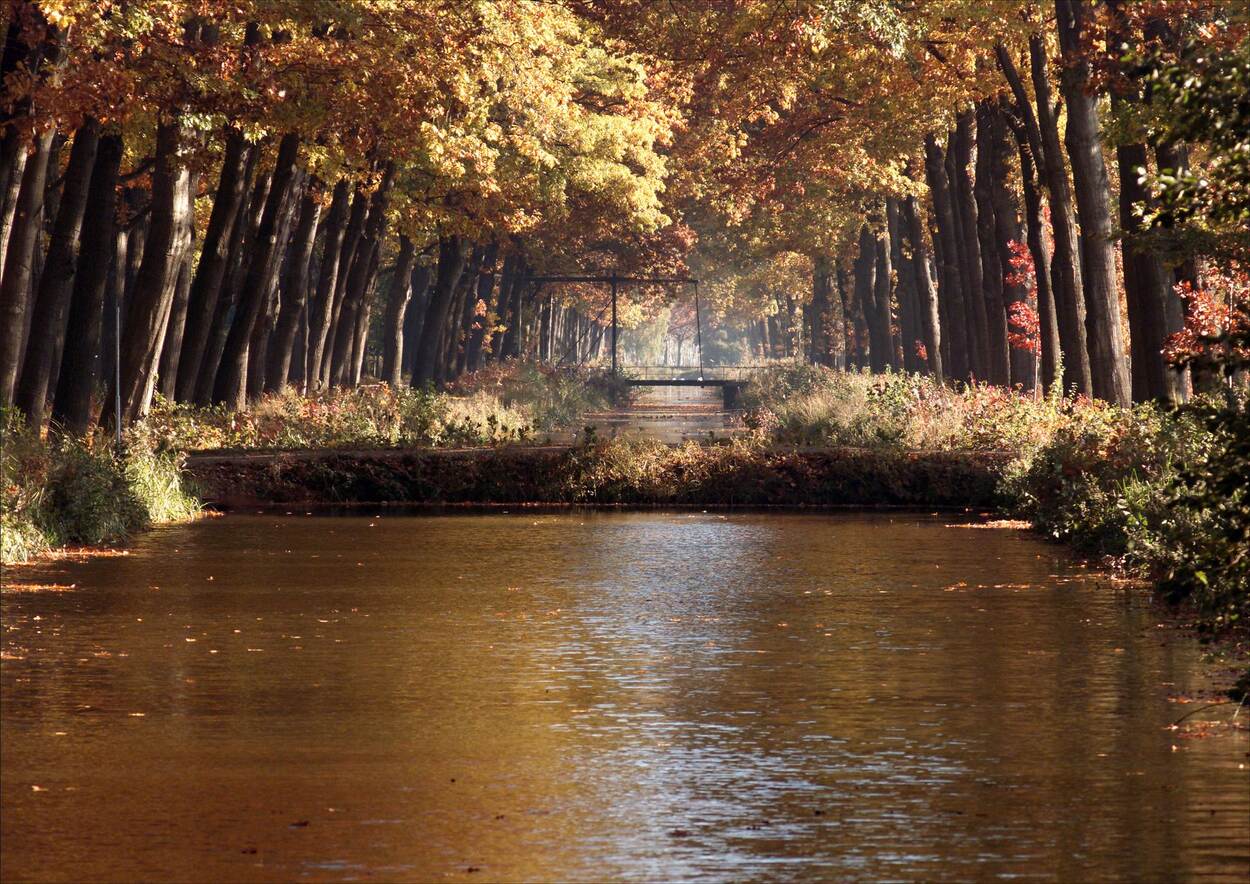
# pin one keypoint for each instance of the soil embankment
(710, 475)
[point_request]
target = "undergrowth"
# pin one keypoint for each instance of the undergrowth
(68, 491)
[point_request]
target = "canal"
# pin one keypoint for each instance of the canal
(587, 695)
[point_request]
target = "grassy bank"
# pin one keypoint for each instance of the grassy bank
(67, 492)
(507, 402)
(63, 491)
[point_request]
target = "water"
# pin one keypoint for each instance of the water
(588, 696)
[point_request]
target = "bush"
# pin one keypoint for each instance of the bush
(77, 491)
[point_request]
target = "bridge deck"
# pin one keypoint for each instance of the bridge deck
(683, 382)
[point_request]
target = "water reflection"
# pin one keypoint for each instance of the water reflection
(593, 695)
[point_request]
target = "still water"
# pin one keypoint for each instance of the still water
(589, 696)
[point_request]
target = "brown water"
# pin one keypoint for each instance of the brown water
(641, 696)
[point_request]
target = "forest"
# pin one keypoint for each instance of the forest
(210, 204)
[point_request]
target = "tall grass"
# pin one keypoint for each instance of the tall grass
(66, 491)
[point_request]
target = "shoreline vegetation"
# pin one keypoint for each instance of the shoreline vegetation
(1157, 493)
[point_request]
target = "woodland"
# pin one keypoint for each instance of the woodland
(327, 222)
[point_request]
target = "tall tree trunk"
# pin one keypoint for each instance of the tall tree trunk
(1147, 284)
(514, 342)
(147, 312)
(1009, 233)
(1108, 363)
(415, 317)
(481, 321)
(13, 156)
(242, 244)
(998, 356)
(351, 240)
(884, 284)
(963, 199)
(266, 260)
(80, 362)
(15, 289)
(1066, 274)
(908, 317)
(171, 349)
(360, 346)
(452, 255)
(258, 347)
(396, 310)
(294, 299)
(1041, 252)
(321, 307)
(507, 279)
(949, 289)
(358, 278)
(926, 294)
(44, 350)
(1173, 156)
(864, 271)
(237, 167)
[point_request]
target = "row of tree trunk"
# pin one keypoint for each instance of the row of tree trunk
(958, 301)
(107, 298)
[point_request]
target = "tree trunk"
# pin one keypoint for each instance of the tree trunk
(294, 297)
(44, 350)
(1176, 158)
(452, 254)
(15, 290)
(1009, 233)
(864, 272)
(1040, 249)
(266, 260)
(1066, 276)
(949, 290)
(1108, 365)
(13, 156)
(360, 346)
(396, 310)
(237, 166)
(882, 302)
(258, 357)
(243, 242)
(908, 318)
(485, 289)
(351, 241)
(321, 308)
(171, 349)
(359, 278)
(926, 294)
(147, 312)
(80, 363)
(998, 356)
(963, 199)
(415, 318)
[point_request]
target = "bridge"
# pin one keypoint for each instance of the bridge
(730, 379)
(730, 387)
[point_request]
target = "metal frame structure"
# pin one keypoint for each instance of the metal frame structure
(614, 281)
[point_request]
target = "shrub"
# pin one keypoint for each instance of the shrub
(78, 491)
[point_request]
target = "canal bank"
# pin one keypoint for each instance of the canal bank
(623, 471)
